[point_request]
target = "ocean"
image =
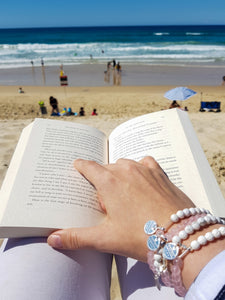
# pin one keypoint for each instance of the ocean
(148, 45)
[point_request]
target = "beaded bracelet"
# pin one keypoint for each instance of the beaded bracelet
(165, 262)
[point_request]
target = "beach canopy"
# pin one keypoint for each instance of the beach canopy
(179, 93)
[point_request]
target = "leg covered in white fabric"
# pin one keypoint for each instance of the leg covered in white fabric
(30, 269)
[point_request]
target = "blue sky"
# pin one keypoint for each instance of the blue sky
(49, 13)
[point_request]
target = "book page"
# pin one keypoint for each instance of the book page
(48, 191)
(161, 135)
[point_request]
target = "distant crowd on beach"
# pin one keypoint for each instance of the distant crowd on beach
(113, 70)
(65, 112)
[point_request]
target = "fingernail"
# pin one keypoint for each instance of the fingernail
(55, 241)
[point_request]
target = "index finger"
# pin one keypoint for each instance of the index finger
(92, 171)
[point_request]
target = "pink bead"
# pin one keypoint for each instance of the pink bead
(166, 278)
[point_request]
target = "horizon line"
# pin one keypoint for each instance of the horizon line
(112, 26)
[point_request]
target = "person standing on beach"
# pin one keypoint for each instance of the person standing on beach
(118, 74)
(107, 73)
(43, 71)
(114, 71)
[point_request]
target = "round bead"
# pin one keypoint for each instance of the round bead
(201, 221)
(202, 240)
(209, 236)
(186, 212)
(216, 233)
(213, 218)
(189, 229)
(174, 218)
(161, 251)
(176, 239)
(195, 245)
(156, 264)
(157, 257)
(183, 235)
(195, 225)
(198, 210)
(192, 211)
(222, 230)
(207, 219)
(180, 214)
(218, 220)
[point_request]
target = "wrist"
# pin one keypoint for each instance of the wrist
(185, 236)
(196, 261)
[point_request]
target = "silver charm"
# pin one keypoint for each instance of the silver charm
(150, 227)
(170, 251)
(153, 242)
(157, 282)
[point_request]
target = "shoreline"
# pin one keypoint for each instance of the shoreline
(132, 75)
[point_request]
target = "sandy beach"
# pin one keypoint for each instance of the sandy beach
(114, 106)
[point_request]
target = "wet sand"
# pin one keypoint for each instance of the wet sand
(132, 75)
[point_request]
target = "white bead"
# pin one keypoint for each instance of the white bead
(218, 220)
(180, 214)
(157, 257)
(209, 236)
(201, 221)
(222, 230)
(174, 218)
(183, 235)
(192, 211)
(161, 251)
(216, 233)
(186, 212)
(207, 219)
(156, 264)
(195, 225)
(198, 210)
(189, 229)
(195, 245)
(202, 210)
(176, 239)
(202, 240)
(213, 218)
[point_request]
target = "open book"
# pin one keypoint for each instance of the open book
(43, 192)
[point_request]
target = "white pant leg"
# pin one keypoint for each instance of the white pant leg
(137, 281)
(32, 270)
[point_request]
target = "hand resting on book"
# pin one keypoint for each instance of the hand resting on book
(130, 194)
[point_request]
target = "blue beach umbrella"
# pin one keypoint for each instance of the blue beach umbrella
(179, 93)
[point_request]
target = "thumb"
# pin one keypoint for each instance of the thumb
(77, 238)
